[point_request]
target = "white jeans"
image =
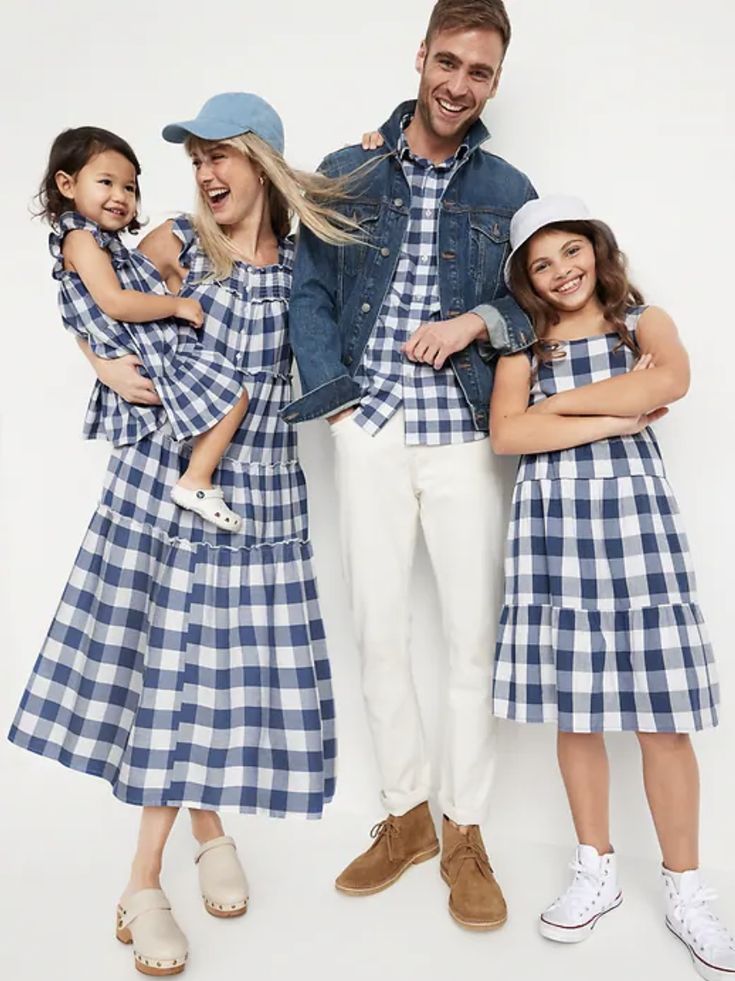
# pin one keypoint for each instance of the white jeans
(385, 488)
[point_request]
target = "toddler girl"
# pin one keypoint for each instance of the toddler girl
(114, 300)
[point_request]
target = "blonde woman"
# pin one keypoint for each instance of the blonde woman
(187, 665)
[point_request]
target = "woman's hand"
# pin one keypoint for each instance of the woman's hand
(372, 140)
(123, 377)
(189, 309)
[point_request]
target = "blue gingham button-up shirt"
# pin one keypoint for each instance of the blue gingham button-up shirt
(435, 410)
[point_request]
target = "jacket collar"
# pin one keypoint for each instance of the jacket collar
(391, 128)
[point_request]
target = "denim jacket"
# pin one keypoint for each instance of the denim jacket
(338, 292)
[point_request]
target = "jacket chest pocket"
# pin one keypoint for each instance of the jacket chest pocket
(489, 248)
(355, 257)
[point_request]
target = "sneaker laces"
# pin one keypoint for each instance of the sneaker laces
(387, 829)
(469, 849)
(583, 888)
(701, 922)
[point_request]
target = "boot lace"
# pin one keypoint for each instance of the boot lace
(703, 925)
(469, 850)
(387, 829)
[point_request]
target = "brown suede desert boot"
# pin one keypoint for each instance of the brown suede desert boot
(399, 843)
(475, 899)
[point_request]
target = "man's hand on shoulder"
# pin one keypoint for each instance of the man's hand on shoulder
(434, 342)
(372, 140)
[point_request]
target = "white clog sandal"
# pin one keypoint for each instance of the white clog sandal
(222, 881)
(145, 920)
(209, 504)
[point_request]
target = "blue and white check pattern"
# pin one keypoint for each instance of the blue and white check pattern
(196, 388)
(600, 628)
(436, 411)
(185, 665)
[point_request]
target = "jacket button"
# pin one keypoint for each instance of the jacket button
(398, 202)
(365, 308)
(453, 313)
(449, 255)
(348, 360)
(385, 251)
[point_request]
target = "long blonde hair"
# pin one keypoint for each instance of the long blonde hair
(310, 197)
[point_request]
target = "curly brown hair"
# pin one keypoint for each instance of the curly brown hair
(71, 150)
(614, 290)
(468, 15)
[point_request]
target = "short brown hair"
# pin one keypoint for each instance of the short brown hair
(615, 291)
(456, 15)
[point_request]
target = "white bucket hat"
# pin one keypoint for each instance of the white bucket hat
(538, 213)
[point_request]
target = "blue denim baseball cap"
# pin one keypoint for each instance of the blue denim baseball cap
(231, 114)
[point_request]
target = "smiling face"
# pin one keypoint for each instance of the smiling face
(562, 269)
(229, 182)
(104, 190)
(460, 71)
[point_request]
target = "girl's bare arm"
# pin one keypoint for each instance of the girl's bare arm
(637, 391)
(515, 429)
(92, 264)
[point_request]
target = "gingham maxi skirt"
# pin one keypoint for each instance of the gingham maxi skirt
(187, 666)
(600, 628)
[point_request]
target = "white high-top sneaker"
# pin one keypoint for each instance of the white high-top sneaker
(593, 892)
(689, 917)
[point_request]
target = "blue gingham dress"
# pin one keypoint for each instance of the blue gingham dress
(186, 665)
(600, 628)
(197, 387)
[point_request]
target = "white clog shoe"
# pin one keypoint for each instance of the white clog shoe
(222, 881)
(145, 920)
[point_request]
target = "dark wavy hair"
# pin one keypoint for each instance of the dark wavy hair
(70, 151)
(614, 290)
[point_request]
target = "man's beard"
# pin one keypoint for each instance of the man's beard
(426, 107)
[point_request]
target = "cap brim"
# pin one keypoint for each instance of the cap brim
(178, 132)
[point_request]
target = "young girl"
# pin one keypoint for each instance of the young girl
(601, 629)
(115, 301)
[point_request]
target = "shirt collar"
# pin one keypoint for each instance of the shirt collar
(404, 150)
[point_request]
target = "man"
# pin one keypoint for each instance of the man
(408, 406)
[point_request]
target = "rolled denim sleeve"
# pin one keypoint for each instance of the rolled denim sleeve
(314, 333)
(509, 328)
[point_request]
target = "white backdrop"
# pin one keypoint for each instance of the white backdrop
(628, 105)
